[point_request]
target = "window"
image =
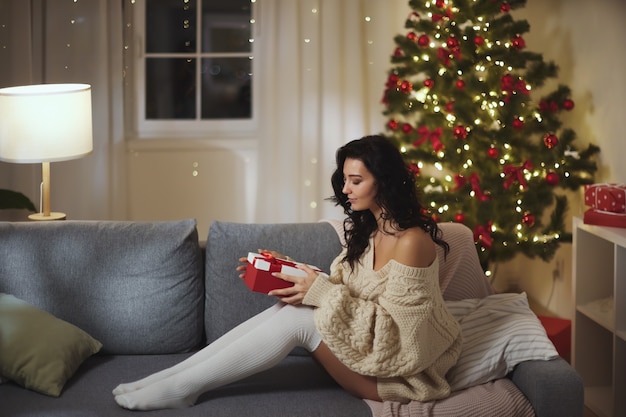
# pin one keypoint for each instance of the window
(193, 72)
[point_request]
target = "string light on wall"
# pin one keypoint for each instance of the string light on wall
(4, 36)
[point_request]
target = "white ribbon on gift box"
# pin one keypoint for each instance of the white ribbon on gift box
(612, 213)
(260, 263)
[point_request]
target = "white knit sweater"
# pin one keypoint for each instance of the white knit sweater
(391, 324)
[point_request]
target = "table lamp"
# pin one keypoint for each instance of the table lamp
(45, 123)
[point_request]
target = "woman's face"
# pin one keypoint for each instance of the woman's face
(359, 185)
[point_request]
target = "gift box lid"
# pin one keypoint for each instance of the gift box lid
(264, 262)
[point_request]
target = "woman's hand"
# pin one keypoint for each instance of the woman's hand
(295, 294)
(243, 266)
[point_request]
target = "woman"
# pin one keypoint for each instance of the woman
(377, 324)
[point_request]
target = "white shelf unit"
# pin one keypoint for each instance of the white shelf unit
(599, 320)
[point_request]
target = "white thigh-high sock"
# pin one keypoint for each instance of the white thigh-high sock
(203, 354)
(259, 349)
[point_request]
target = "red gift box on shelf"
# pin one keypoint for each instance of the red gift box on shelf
(258, 276)
(604, 218)
(606, 197)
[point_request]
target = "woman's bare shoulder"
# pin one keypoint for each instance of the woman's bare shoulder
(415, 248)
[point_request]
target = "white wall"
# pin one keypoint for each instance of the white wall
(170, 180)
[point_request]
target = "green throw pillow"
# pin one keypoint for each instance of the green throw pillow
(37, 350)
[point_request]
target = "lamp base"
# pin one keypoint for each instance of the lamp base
(42, 217)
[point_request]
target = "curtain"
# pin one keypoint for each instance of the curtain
(324, 66)
(70, 41)
(16, 69)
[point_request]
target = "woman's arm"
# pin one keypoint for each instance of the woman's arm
(396, 336)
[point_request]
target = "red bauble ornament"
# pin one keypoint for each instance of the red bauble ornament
(505, 8)
(406, 86)
(550, 140)
(568, 104)
(429, 83)
(552, 178)
(518, 42)
(414, 17)
(492, 153)
(436, 218)
(440, 3)
(407, 128)
(452, 42)
(459, 218)
(479, 40)
(398, 52)
(460, 84)
(423, 41)
(518, 124)
(393, 124)
(460, 132)
(528, 219)
(450, 106)
(412, 36)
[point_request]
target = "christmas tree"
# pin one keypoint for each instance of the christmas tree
(464, 104)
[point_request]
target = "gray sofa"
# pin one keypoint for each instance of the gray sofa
(152, 294)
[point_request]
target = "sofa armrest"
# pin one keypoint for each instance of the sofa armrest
(553, 388)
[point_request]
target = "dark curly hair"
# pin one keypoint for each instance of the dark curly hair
(396, 195)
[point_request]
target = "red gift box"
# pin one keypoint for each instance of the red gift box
(604, 218)
(559, 332)
(606, 197)
(258, 276)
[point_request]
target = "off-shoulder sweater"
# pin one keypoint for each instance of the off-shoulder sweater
(391, 324)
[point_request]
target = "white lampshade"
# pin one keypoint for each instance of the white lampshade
(45, 123)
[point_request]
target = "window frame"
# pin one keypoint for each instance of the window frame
(187, 128)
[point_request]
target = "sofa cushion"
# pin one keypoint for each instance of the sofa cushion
(499, 332)
(137, 287)
(37, 350)
(228, 300)
(460, 273)
(276, 392)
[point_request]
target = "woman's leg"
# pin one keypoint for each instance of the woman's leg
(203, 354)
(358, 385)
(258, 349)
